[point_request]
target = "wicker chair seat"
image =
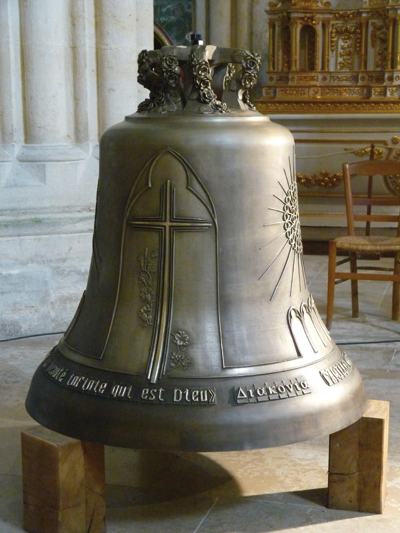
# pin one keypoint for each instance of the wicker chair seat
(362, 244)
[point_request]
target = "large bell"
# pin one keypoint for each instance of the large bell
(197, 330)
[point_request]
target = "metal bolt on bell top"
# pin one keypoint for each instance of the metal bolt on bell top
(197, 330)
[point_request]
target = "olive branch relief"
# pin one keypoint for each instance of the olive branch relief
(147, 281)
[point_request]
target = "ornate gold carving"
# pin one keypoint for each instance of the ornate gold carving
(286, 48)
(393, 184)
(283, 19)
(379, 13)
(346, 31)
(345, 15)
(342, 91)
(325, 179)
(292, 91)
(320, 106)
(379, 40)
(346, 53)
(375, 28)
(343, 79)
(309, 20)
(324, 46)
(364, 152)
(307, 77)
(301, 4)
(396, 139)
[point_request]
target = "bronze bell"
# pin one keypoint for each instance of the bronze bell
(197, 330)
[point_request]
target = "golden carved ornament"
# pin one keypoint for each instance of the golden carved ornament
(393, 184)
(283, 18)
(375, 28)
(325, 179)
(301, 4)
(345, 15)
(363, 152)
(320, 106)
(346, 29)
(379, 14)
(309, 20)
(343, 79)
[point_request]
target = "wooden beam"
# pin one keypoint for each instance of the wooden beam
(358, 462)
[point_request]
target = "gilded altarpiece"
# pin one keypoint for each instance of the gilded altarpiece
(333, 79)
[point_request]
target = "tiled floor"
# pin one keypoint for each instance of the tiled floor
(269, 490)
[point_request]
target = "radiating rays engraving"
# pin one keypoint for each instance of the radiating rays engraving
(291, 248)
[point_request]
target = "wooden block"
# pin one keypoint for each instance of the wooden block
(358, 462)
(63, 483)
(95, 485)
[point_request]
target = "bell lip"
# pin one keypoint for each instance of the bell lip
(221, 427)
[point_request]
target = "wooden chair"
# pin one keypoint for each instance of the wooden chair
(365, 246)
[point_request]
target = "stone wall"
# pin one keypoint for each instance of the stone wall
(67, 72)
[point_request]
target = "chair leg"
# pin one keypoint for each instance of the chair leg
(354, 286)
(331, 283)
(396, 289)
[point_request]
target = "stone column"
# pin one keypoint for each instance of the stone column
(11, 123)
(220, 23)
(84, 71)
(116, 59)
(68, 70)
(47, 71)
(200, 19)
(243, 24)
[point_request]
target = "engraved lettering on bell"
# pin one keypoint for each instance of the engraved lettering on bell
(339, 371)
(276, 391)
(292, 246)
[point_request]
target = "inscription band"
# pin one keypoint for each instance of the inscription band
(113, 390)
(337, 372)
(280, 390)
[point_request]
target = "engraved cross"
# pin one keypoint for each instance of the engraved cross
(167, 224)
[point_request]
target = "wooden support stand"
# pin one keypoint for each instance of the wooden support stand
(64, 478)
(63, 483)
(358, 462)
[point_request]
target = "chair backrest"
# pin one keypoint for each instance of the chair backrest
(369, 170)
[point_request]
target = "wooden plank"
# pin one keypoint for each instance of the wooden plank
(358, 462)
